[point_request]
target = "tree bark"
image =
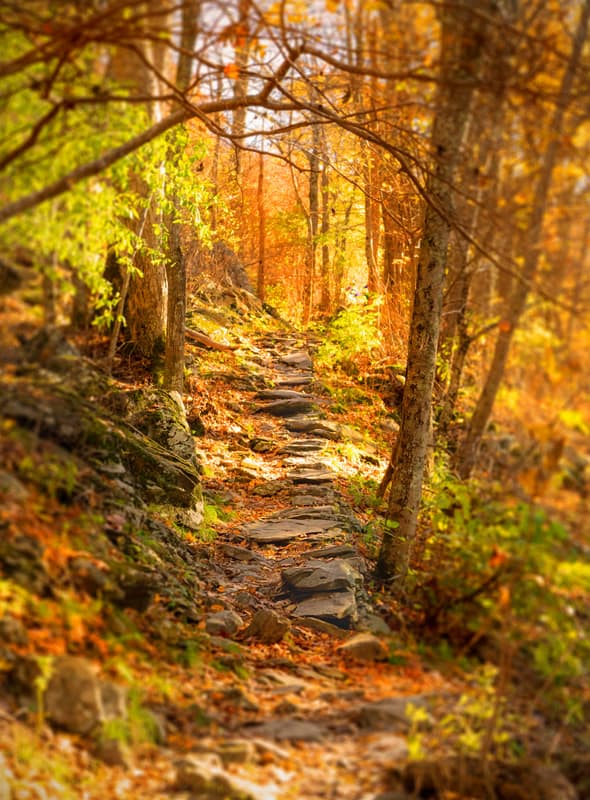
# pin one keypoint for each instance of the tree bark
(260, 276)
(371, 218)
(176, 275)
(176, 264)
(146, 307)
(325, 301)
(461, 49)
(313, 223)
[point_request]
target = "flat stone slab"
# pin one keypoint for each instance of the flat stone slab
(320, 625)
(284, 530)
(289, 730)
(296, 380)
(315, 512)
(280, 394)
(307, 500)
(299, 358)
(303, 446)
(329, 606)
(312, 475)
(343, 552)
(323, 492)
(286, 408)
(315, 426)
(303, 461)
(321, 576)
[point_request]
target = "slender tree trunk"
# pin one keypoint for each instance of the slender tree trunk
(340, 257)
(260, 278)
(467, 454)
(242, 43)
(313, 223)
(147, 300)
(174, 353)
(325, 301)
(176, 264)
(462, 37)
(371, 219)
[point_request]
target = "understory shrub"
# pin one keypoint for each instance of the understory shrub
(495, 572)
(351, 339)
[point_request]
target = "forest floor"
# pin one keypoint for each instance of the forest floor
(291, 674)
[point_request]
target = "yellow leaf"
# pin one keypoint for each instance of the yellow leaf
(232, 71)
(504, 597)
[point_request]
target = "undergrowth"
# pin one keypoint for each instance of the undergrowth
(350, 340)
(500, 579)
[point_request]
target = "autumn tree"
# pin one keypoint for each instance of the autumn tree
(530, 260)
(465, 31)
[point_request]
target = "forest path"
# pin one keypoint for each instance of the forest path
(318, 709)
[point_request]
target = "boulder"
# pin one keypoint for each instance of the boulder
(78, 701)
(50, 348)
(337, 607)
(203, 776)
(73, 417)
(300, 359)
(223, 623)
(115, 752)
(21, 560)
(161, 415)
(267, 626)
(364, 647)
(321, 576)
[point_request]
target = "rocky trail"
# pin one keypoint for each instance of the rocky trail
(259, 665)
(283, 686)
(322, 713)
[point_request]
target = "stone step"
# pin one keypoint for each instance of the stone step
(287, 408)
(276, 531)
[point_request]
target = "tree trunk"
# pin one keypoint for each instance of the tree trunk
(146, 308)
(462, 37)
(176, 274)
(371, 220)
(313, 223)
(325, 301)
(467, 454)
(260, 278)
